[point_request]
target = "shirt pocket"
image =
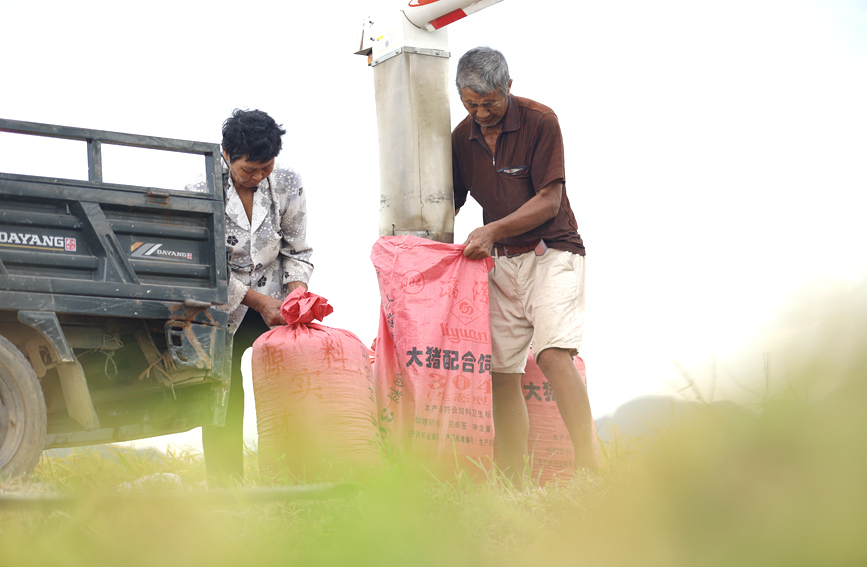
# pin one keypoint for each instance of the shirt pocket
(515, 171)
(515, 185)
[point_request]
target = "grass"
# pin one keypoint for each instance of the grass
(781, 484)
(398, 516)
(783, 487)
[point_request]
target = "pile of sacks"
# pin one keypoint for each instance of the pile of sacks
(327, 405)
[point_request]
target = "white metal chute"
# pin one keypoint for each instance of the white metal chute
(408, 50)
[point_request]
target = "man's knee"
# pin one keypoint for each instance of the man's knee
(552, 357)
(558, 367)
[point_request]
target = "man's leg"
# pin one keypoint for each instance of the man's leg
(572, 401)
(511, 423)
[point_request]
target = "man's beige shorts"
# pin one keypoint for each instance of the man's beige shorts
(538, 300)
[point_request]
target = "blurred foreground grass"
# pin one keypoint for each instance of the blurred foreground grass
(784, 483)
(786, 487)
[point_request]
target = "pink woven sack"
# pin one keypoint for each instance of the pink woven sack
(433, 353)
(315, 404)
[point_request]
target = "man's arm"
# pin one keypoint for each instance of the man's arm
(542, 207)
(460, 192)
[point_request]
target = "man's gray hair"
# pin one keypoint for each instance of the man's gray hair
(484, 71)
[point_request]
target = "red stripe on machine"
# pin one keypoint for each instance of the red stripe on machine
(447, 19)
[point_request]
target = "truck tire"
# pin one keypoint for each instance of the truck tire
(23, 418)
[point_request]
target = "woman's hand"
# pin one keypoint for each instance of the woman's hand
(266, 306)
(270, 312)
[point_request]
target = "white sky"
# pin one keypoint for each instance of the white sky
(715, 150)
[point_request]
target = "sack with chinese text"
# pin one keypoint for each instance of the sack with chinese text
(433, 353)
(315, 405)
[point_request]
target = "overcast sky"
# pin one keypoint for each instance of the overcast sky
(715, 151)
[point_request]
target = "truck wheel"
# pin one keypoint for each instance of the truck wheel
(22, 414)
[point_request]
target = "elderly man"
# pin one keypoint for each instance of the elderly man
(508, 154)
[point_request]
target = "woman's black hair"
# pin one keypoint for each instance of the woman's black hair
(253, 135)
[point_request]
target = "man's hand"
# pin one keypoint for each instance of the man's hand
(479, 243)
(542, 207)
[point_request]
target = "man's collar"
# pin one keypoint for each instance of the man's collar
(512, 119)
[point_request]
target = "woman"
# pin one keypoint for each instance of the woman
(266, 228)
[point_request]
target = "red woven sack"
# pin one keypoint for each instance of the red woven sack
(433, 353)
(315, 404)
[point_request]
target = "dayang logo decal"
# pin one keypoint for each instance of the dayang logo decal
(37, 241)
(151, 250)
(418, 3)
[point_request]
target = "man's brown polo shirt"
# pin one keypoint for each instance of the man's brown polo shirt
(529, 156)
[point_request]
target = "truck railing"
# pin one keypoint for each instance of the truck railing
(95, 139)
(67, 240)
